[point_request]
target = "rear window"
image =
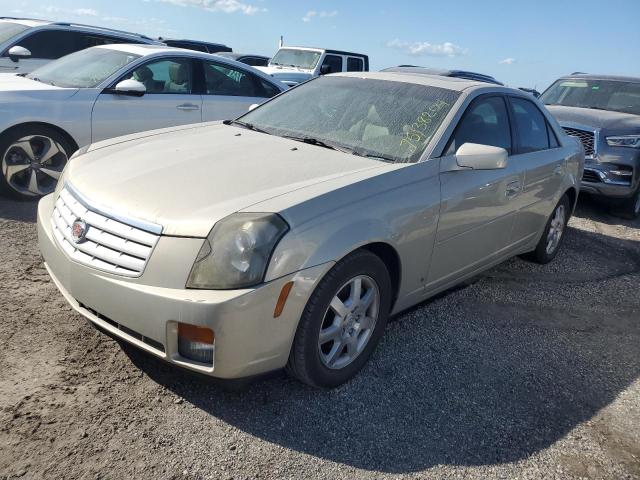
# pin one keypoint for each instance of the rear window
(355, 64)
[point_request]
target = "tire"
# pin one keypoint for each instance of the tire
(543, 252)
(310, 361)
(31, 160)
(630, 208)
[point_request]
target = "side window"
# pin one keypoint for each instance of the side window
(485, 122)
(53, 44)
(269, 90)
(531, 126)
(553, 140)
(166, 76)
(334, 63)
(227, 80)
(355, 64)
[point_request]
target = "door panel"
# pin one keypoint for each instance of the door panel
(476, 218)
(478, 207)
(167, 103)
(539, 152)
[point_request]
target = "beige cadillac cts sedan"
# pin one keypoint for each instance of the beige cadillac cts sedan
(286, 238)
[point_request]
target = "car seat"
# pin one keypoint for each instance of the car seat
(178, 78)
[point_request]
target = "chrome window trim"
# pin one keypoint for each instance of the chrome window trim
(106, 212)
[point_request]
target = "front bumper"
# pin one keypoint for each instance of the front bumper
(144, 311)
(597, 181)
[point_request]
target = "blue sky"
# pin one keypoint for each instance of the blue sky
(521, 43)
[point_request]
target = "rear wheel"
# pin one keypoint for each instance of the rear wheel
(342, 322)
(32, 160)
(553, 234)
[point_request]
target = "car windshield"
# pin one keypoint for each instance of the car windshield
(614, 95)
(288, 57)
(9, 30)
(83, 69)
(392, 121)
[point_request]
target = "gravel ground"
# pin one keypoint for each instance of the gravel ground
(527, 372)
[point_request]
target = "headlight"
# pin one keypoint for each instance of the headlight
(632, 141)
(237, 251)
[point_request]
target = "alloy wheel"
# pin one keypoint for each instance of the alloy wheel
(556, 229)
(349, 322)
(33, 164)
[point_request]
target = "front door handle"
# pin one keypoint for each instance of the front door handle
(188, 106)
(513, 189)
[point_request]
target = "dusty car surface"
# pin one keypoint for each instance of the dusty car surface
(287, 237)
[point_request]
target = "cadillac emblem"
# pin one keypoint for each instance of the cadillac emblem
(79, 230)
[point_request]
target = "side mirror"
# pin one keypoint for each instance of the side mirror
(481, 157)
(129, 87)
(17, 52)
(253, 106)
(324, 69)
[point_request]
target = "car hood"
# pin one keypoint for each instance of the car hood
(287, 75)
(186, 179)
(588, 117)
(12, 84)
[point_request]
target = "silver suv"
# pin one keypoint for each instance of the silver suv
(27, 44)
(603, 111)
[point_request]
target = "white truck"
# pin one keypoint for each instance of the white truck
(293, 65)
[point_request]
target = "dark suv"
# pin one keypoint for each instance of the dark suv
(604, 113)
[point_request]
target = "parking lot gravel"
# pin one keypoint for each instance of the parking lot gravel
(525, 372)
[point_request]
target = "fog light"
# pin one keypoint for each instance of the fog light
(195, 343)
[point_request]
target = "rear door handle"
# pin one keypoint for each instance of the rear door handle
(188, 106)
(558, 170)
(513, 189)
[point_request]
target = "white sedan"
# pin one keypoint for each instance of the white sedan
(108, 91)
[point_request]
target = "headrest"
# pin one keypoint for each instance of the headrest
(143, 74)
(178, 73)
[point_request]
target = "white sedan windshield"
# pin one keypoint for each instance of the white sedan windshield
(83, 69)
(392, 121)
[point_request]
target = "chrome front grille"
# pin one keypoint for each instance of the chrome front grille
(585, 136)
(109, 244)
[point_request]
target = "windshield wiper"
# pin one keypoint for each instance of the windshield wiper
(248, 126)
(319, 143)
(42, 81)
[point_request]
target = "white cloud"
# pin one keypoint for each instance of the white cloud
(446, 49)
(508, 61)
(323, 14)
(78, 12)
(226, 6)
(85, 12)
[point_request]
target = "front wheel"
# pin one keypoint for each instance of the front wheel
(342, 322)
(553, 234)
(32, 160)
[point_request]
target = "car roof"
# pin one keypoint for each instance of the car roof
(33, 22)
(27, 22)
(444, 72)
(235, 55)
(591, 76)
(449, 83)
